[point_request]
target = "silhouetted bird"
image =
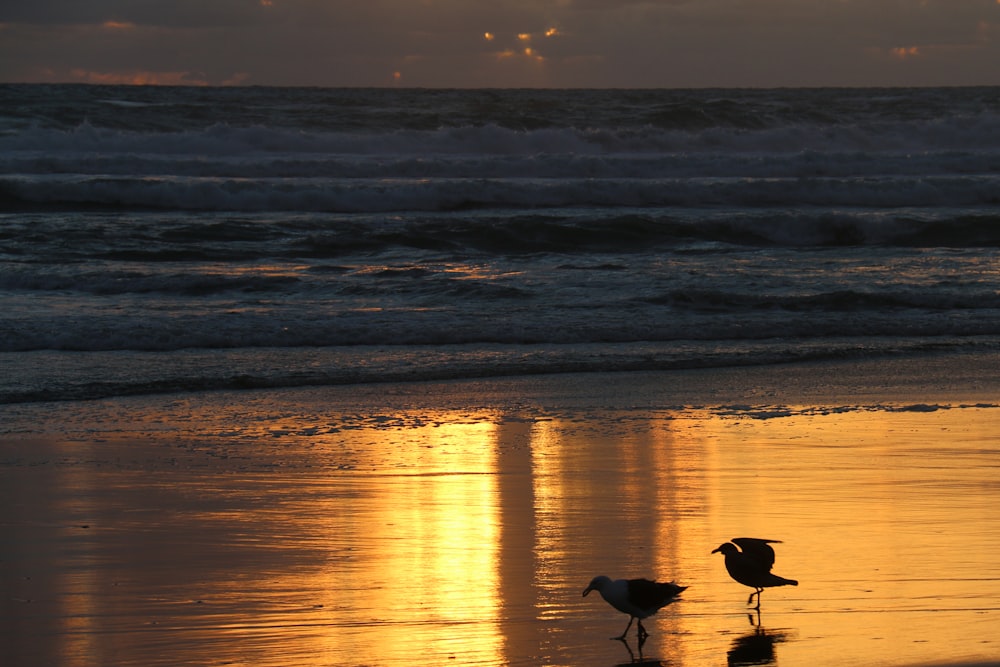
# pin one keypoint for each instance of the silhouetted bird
(639, 598)
(752, 566)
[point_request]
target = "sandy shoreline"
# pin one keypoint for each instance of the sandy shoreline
(953, 378)
(274, 527)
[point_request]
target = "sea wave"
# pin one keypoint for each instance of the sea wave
(156, 239)
(802, 163)
(324, 240)
(421, 316)
(96, 375)
(222, 140)
(463, 194)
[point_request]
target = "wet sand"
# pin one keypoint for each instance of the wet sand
(458, 523)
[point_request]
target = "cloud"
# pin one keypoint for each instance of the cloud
(160, 13)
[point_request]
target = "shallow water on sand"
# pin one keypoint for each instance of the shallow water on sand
(260, 532)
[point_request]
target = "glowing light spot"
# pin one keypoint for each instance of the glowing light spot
(903, 52)
(489, 36)
(552, 32)
(524, 36)
(397, 76)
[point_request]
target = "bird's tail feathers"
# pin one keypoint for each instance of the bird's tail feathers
(774, 580)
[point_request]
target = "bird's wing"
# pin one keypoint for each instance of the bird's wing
(758, 549)
(648, 594)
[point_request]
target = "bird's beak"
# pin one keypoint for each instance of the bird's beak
(716, 550)
(587, 590)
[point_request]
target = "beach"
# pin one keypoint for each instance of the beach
(458, 522)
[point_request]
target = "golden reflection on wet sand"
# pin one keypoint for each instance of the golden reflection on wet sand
(466, 537)
(420, 532)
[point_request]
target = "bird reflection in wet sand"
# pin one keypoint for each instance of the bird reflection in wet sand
(639, 659)
(752, 566)
(639, 598)
(756, 648)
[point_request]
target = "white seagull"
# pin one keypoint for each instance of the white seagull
(639, 598)
(752, 566)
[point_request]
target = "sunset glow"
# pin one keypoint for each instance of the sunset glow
(311, 42)
(139, 78)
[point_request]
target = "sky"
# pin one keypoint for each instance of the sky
(503, 43)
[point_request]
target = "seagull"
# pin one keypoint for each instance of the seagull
(638, 598)
(752, 566)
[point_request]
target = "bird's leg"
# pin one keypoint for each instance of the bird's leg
(759, 591)
(622, 637)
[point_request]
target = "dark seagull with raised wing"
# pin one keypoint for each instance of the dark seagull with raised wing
(639, 598)
(752, 566)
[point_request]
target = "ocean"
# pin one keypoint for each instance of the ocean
(160, 239)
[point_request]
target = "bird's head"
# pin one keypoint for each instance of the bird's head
(727, 548)
(596, 584)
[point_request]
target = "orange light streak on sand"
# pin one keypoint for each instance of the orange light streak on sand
(424, 544)
(654, 500)
(860, 515)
